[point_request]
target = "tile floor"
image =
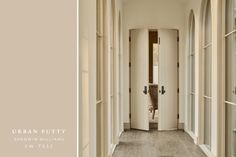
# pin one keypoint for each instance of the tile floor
(136, 143)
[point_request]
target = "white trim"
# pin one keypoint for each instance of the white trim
(230, 103)
(206, 151)
(207, 45)
(228, 34)
(120, 133)
(99, 102)
(113, 147)
(193, 136)
(207, 97)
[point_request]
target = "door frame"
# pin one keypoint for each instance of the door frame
(178, 65)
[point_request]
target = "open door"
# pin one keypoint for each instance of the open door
(139, 79)
(168, 78)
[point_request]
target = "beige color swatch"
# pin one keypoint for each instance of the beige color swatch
(38, 78)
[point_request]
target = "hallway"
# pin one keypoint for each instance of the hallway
(157, 144)
(193, 42)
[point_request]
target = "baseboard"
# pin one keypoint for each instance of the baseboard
(120, 133)
(126, 126)
(193, 136)
(206, 151)
(181, 126)
(113, 148)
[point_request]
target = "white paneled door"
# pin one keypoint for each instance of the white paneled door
(139, 79)
(168, 78)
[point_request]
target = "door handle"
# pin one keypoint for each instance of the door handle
(145, 90)
(162, 91)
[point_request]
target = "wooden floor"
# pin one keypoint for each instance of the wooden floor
(135, 143)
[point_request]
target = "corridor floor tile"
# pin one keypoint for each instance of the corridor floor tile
(136, 143)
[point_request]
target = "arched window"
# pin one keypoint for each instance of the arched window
(230, 79)
(192, 72)
(207, 72)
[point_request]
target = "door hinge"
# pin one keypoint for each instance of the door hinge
(130, 116)
(177, 39)
(159, 40)
(177, 116)
(178, 64)
(129, 64)
(177, 90)
(129, 39)
(130, 90)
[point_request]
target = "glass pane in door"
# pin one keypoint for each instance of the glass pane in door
(231, 95)
(192, 74)
(207, 71)
(192, 113)
(230, 15)
(230, 64)
(231, 68)
(230, 130)
(192, 92)
(192, 77)
(98, 70)
(207, 122)
(208, 24)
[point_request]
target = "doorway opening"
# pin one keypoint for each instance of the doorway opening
(153, 68)
(153, 79)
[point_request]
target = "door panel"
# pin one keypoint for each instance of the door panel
(139, 79)
(168, 51)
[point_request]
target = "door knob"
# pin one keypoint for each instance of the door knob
(145, 90)
(162, 91)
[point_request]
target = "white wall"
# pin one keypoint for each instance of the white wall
(153, 14)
